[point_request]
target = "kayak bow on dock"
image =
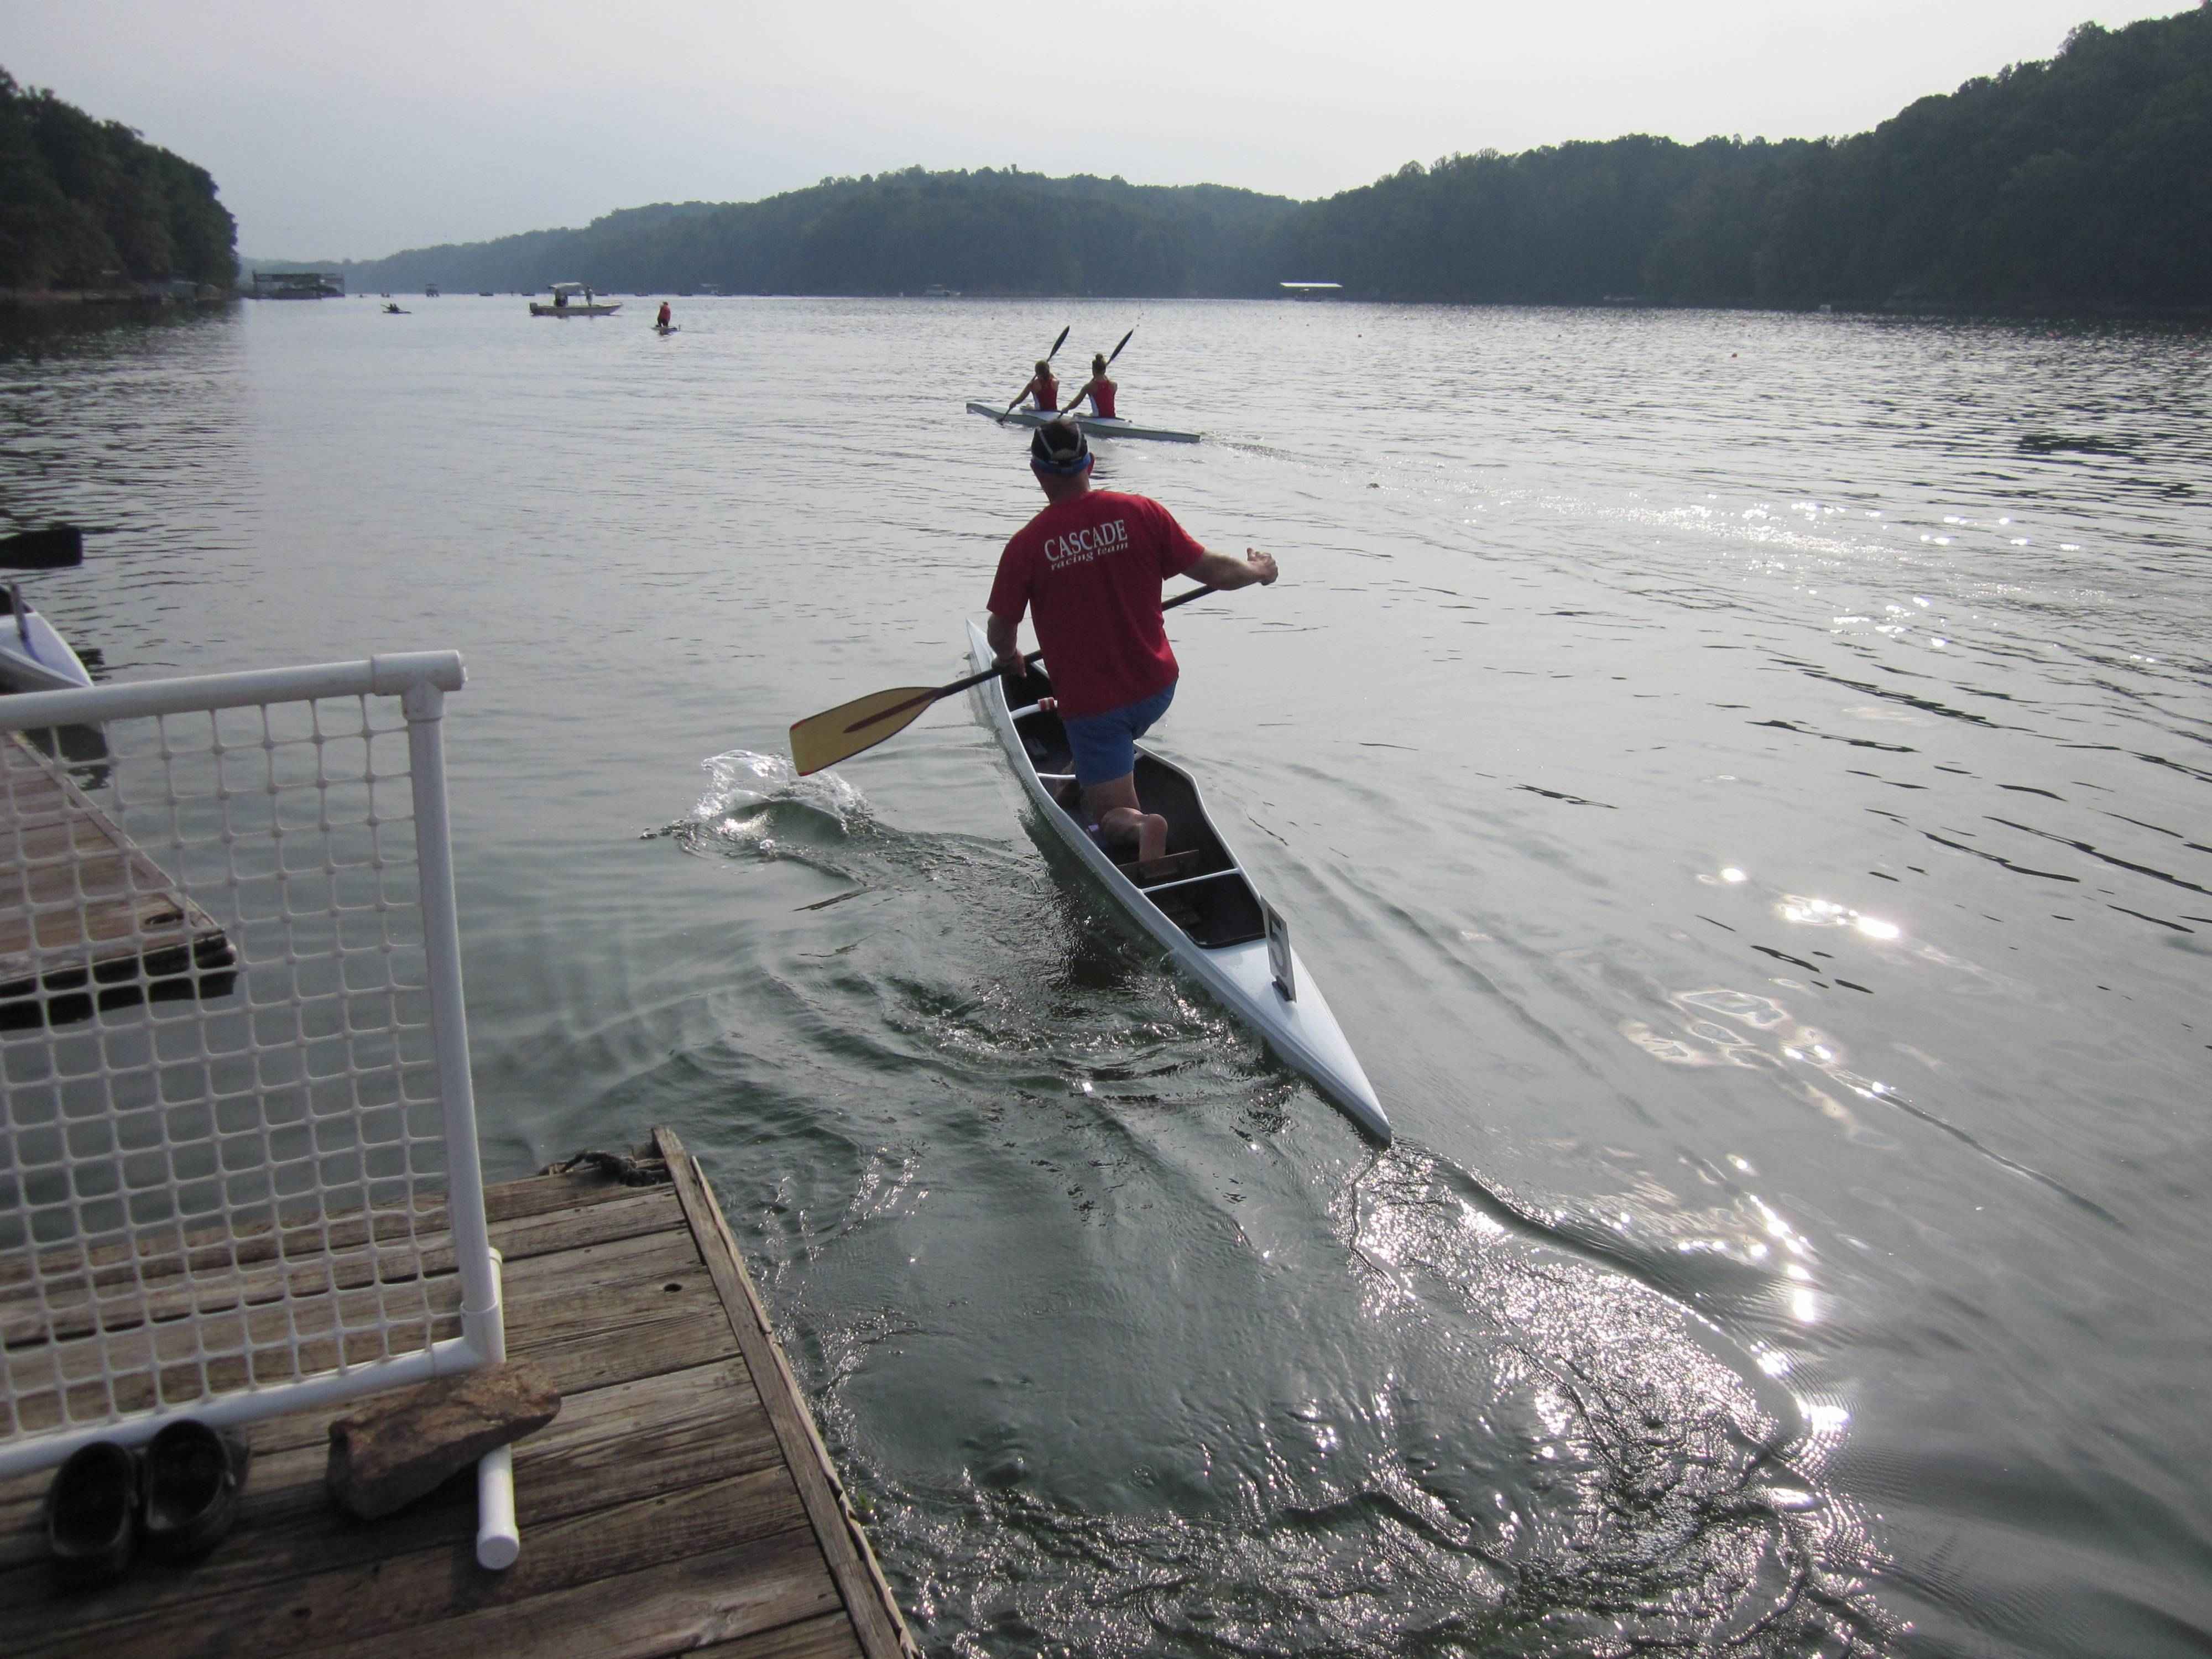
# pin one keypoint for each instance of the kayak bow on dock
(1203, 909)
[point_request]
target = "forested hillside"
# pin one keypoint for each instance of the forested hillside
(2085, 181)
(988, 232)
(86, 202)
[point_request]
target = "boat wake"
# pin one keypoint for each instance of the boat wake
(756, 805)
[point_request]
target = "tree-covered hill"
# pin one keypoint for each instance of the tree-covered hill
(2083, 181)
(86, 202)
(987, 231)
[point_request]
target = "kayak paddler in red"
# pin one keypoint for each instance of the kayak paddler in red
(1043, 387)
(1090, 567)
(1097, 388)
(663, 322)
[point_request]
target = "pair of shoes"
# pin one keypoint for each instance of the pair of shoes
(177, 1500)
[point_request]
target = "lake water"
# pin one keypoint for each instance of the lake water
(1741, 780)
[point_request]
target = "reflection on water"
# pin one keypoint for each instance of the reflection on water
(1740, 778)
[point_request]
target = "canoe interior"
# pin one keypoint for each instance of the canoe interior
(1206, 895)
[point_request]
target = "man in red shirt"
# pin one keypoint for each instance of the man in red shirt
(1091, 565)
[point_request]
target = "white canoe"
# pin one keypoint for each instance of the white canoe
(1208, 915)
(1095, 426)
(32, 656)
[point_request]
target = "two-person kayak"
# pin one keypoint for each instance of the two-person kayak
(1094, 426)
(1203, 909)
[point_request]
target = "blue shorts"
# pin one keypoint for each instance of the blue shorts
(1105, 745)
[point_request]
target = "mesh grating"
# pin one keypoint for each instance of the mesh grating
(224, 1155)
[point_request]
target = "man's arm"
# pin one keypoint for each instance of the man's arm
(1219, 570)
(1005, 638)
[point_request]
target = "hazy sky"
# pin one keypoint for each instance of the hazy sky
(350, 131)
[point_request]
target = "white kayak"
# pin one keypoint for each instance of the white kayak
(1095, 426)
(32, 656)
(1203, 909)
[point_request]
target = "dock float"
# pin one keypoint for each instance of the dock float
(85, 915)
(681, 1502)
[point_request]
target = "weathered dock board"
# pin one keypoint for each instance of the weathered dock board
(106, 920)
(682, 1501)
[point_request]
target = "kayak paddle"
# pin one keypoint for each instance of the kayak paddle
(841, 732)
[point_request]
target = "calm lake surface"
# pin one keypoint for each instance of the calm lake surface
(1744, 782)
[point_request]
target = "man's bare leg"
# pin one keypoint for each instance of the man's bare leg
(1114, 807)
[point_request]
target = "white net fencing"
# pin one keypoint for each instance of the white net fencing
(238, 1166)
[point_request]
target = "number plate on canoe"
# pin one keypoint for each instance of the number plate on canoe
(1278, 952)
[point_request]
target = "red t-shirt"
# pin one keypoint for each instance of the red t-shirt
(1102, 397)
(1092, 568)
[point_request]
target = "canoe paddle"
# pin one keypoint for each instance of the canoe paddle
(841, 732)
(1049, 356)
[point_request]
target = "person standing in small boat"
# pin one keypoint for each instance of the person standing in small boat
(662, 322)
(1043, 387)
(1097, 388)
(1090, 565)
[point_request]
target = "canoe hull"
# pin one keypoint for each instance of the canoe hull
(1303, 1034)
(537, 310)
(1093, 426)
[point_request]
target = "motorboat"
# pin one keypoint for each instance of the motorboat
(575, 300)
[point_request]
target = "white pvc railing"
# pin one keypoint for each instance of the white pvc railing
(239, 1173)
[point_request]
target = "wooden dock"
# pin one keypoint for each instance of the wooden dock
(681, 1502)
(108, 923)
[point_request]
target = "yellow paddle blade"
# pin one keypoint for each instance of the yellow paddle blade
(838, 733)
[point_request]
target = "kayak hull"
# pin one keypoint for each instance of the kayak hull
(1209, 922)
(35, 658)
(1094, 426)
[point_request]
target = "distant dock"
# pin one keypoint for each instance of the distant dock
(85, 916)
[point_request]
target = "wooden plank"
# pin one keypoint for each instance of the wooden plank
(693, 1333)
(563, 1298)
(510, 1200)
(398, 1588)
(867, 1595)
(671, 1608)
(596, 1215)
(610, 1446)
(672, 1506)
(827, 1637)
